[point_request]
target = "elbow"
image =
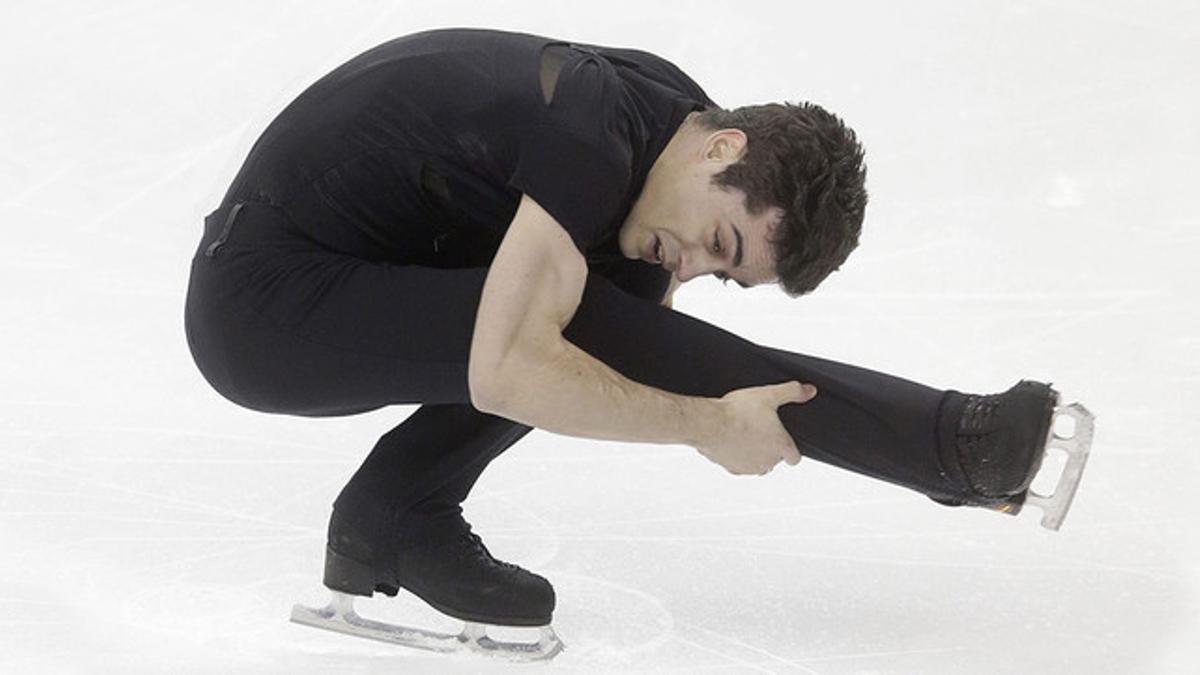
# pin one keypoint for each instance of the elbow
(491, 384)
(482, 384)
(501, 387)
(483, 372)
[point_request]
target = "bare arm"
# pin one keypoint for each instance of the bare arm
(522, 368)
(567, 391)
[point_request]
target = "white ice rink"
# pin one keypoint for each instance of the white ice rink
(1033, 173)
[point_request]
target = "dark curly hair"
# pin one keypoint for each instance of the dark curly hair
(807, 162)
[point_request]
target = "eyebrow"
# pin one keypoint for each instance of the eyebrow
(737, 255)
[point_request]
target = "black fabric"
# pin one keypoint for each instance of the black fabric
(434, 137)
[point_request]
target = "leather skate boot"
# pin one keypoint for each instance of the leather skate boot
(434, 554)
(1000, 441)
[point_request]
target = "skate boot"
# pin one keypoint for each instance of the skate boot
(439, 559)
(1001, 441)
(1001, 438)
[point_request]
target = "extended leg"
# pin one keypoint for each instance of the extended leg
(862, 420)
(954, 447)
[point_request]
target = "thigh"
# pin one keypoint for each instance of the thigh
(278, 324)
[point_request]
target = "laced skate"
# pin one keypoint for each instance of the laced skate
(442, 562)
(1001, 453)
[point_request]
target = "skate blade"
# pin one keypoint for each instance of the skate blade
(1077, 446)
(339, 616)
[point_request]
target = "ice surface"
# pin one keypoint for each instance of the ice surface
(1032, 170)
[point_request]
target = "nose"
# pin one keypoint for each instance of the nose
(693, 264)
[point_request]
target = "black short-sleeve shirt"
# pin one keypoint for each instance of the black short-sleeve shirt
(419, 149)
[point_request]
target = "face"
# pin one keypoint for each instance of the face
(700, 228)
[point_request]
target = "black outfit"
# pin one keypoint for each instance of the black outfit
(343, 269)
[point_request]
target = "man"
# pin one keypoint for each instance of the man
(492, 224)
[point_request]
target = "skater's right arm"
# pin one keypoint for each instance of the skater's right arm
(522, 368)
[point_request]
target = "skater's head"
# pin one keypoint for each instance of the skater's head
(784, 181)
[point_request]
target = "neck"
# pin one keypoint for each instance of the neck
(662, 174)
(672, 159)
(681, 143)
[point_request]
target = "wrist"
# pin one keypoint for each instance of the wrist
(707, 418)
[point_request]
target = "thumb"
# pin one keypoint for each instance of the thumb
(801, 392)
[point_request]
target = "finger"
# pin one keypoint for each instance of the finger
(774, 462)
(791, 456)
(797, 391)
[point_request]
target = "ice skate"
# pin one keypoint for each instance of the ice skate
(1002, 440)
(442, 562)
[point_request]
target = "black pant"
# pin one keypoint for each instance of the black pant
(280, 324)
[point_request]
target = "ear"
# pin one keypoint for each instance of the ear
(725, 144)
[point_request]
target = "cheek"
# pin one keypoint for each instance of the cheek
(702, 213)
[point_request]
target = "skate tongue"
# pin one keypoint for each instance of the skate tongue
(476, 547)
(448, 530)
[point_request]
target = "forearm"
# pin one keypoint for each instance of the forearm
(567, 391)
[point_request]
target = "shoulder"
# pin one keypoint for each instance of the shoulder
(584, 88)
(655, 68)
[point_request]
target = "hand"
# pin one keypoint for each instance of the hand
(750, 438)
